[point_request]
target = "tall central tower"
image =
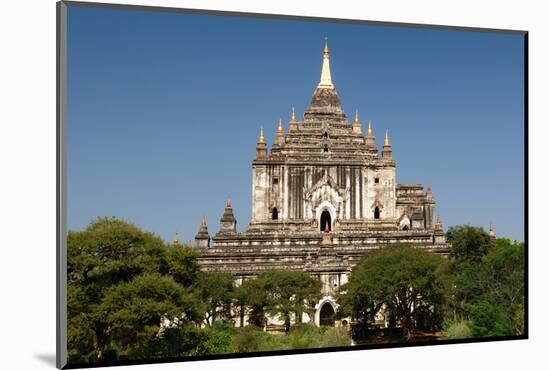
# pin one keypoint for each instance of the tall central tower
(323, 170)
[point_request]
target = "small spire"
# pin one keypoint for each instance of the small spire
(438, 227)
(356, 123)
(429, 189)
(386, 139)
(491, 232)
(202, 238)
(280, 126)
(203, 224)
(326, 80)
(369, 129)
(293, 117)
(262, 137)
(176, 239)
(228, 202)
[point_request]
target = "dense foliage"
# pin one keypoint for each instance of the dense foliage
(132, 296)
(122, 282)
(489, 290)
(409, 283)
(282, 293)
(468, 242)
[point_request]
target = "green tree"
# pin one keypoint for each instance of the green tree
(493, 290)
(134, 310)
(489, 319)
(288, 293)
(182, 264)
(468, 243)
(107, 254)
(409, 283)
(216, 291)
(251, 298)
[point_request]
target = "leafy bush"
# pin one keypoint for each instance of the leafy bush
(457, 330)
(250, 339)
(489, 320)
(216, 339)
(336, 337)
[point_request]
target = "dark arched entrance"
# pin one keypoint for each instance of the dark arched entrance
(274, 214)
(326, 316)
(376, 213)
(325, 221)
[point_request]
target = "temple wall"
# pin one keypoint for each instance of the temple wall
(260, 188)
(283, 187)
(381, 194)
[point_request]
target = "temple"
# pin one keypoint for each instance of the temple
(323, 196)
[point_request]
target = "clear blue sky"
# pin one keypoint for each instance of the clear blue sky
(164, 111)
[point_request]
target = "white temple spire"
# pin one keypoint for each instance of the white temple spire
(326, 80)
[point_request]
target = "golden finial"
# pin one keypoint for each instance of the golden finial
(280, 126)
(386, 139)
(369, 130)
(293, 117)
(356, 116)
(228, 202)
(326, 80)
(262, 137)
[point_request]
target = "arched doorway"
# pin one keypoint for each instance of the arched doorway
(376, 213)
(325, 221)
(274, 214)
(326, 316)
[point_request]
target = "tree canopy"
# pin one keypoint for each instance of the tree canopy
(490, 292)
(409, 283)
(131, 295)
(216, 290)
(119, 286)
(283, 293)
(468, 243)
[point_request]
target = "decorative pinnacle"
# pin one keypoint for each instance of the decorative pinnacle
(438, 219)
(429, 189)
(228, 202)
(262, 137)
(356, 116)
(280, 126)
(293, 117)
(203, 228)
(491, 232)
(386, 139)
(176, 239)
(326, 80)
(369, 130)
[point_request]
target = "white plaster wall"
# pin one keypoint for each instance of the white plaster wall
(259, 192)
